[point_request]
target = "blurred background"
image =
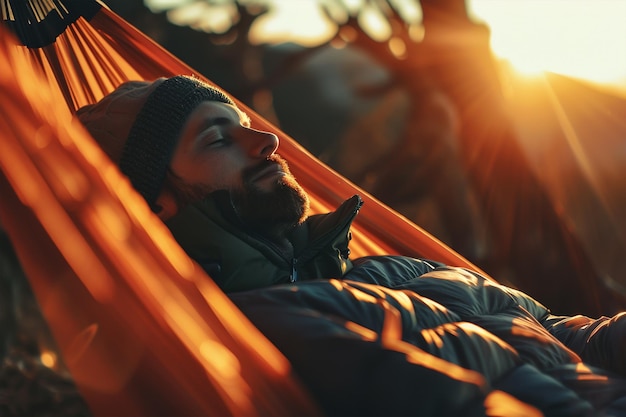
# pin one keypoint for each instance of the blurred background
(496, 125)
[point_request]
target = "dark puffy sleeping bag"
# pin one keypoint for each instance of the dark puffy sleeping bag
(400, 336)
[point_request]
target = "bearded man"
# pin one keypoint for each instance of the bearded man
(391, 335)
(228, 198)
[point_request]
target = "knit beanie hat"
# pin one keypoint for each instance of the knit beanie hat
(139, 123)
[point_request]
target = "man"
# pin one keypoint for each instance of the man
(176, 162)
(393, 335)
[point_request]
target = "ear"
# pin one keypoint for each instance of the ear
(167, 206)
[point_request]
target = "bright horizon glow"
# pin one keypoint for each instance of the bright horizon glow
(583, 39)
(579, 38)
(296, 21)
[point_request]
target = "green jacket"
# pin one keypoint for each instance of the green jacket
(238, 261)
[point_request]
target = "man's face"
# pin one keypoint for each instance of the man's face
(219, 151)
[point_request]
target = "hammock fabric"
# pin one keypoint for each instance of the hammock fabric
(127, 307)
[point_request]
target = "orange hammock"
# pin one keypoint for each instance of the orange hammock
(142, 330)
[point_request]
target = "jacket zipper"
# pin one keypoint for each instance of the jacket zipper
(294, 271)
(293, 277)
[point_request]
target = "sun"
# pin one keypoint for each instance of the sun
(581, 38)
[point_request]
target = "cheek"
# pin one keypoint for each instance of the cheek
(214, 176)
(218, 169)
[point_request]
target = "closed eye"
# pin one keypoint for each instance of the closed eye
(211, 136)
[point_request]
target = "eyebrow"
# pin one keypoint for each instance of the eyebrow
(213, 121)
(244, 119)
(220, 121)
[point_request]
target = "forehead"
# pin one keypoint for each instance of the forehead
(215, 112)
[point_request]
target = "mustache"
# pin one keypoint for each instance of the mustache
(251, 172)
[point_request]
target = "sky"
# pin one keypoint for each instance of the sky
(580, 38)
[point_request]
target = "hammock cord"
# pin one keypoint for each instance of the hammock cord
(38, 23)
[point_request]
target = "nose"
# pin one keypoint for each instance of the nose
(259, 143)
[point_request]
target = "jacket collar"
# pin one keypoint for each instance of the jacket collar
(237, 260)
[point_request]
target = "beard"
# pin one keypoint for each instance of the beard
(272, 212)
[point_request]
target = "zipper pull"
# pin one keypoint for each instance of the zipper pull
(294, 272)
